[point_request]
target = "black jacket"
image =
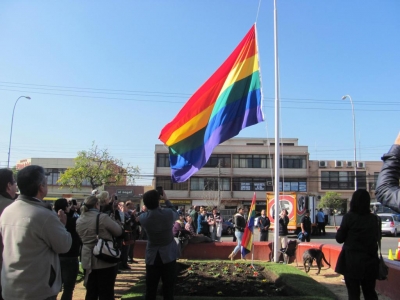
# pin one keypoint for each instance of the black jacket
(387, 188)
(283, 223)
(359, 256)
(263, 223)
(240, 222)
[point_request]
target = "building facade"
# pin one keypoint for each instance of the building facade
(240, 167)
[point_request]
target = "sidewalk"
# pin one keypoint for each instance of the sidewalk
(124, 281)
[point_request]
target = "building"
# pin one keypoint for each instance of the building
(241, 166)
(56, 166)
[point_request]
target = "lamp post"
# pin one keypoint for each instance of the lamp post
(354, 134)
(12, 121)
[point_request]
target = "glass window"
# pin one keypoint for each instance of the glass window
(251, 161)
(223, 159)
(163, 160)
(167, 184)
(293, 162)
(343, 180)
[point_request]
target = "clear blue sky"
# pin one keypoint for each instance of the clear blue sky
(115, 72)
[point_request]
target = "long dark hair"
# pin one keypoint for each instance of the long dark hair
(360, 202)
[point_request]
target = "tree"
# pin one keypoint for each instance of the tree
(333, 201)
(99, 168)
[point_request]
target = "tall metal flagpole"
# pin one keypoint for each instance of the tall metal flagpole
(277, 152)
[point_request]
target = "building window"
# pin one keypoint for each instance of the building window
(252, 184)
(293, 162)
(53, 175)
(209, 184)
(167, 184)
(293, 185)
(335, 180)
(224, 159)
(252, 161)
(163, 160)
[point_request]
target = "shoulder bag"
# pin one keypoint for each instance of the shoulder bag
(383, 269)
(105, 249)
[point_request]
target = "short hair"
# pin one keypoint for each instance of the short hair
(239, 208)
(103, 197)
(307, 211)
(6, 177)
(151, 199)
(360, 202)
(60, 203)
(29, 180)
(90, 202)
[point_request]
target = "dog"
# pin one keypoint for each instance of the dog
(310, 255)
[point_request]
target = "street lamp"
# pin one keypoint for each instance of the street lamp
(354, 134)
(12, 121)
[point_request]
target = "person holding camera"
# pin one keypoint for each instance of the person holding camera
(161, 249)
(99, 275)
(69, 261)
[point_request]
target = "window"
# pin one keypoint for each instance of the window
(252, 184)
(209, 184)
(163, 160)
(293, 162)
(252, 161)
(167, 184)
(53, 175)
(224, 159)
(293, 185)
(334, 180)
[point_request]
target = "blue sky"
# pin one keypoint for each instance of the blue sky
(115, 72)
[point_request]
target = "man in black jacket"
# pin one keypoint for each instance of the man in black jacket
(387, 188)
(263, 225)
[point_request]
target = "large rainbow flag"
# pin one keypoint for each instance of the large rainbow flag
(247, 239)
(227, 102)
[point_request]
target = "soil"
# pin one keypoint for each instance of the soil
(224, 279)
(126, 279)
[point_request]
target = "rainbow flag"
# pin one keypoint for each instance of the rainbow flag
(227, 102)
(247, 239)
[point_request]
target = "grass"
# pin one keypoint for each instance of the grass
(293, 281)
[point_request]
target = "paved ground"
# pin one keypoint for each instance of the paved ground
(126, 279)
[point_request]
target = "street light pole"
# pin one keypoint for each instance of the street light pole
(355, 144)
(12, 121)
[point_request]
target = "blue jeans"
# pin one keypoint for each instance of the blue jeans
(239, 236)
(69, 272)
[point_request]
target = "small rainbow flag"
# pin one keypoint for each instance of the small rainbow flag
(227, 102)
(247, 239)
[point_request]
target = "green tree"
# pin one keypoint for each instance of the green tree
(99, 168)
(333, 201)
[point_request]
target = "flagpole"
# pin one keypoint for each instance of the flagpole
(277, 150)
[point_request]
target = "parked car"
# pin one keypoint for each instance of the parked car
(390, 223)
(227, 227)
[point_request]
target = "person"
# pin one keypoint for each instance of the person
(33, 236)
(161, 249)
(263, 226)
(194, 237)
(69, 261)
(358, 261)
(142, 233)
(215, 225)
(134, 226)
(125, 218)
(8, 190)
(202, 224)
(99, 275)
(181, 235)
(283, 230)
(321, 222)
(240, 224)
(194, 214)
(387, 186)
(306, 226)
(106, 205)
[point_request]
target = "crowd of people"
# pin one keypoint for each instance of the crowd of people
(41, 245)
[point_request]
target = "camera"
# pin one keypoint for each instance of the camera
(160, 190)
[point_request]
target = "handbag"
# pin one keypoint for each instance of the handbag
(105, 249)
(383, 269)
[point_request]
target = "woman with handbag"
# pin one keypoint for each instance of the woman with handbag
(358, 261)
(99, 275)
